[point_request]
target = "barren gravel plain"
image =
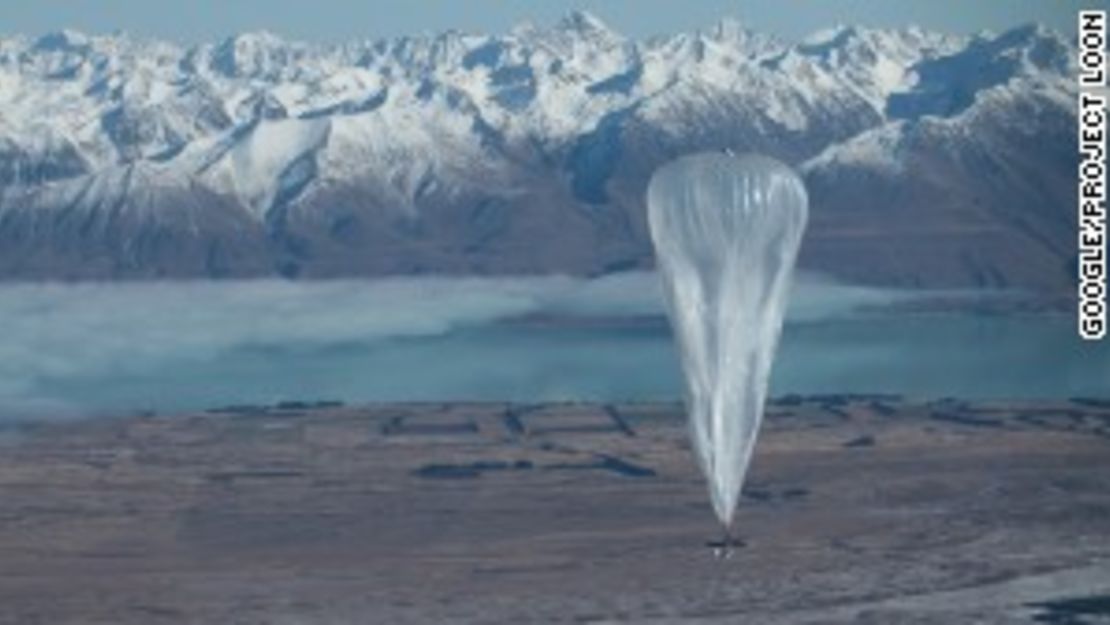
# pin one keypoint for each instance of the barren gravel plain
(858, 509)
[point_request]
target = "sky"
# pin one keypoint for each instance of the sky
(189, 21)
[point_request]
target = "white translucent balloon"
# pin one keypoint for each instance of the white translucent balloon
(726, 231)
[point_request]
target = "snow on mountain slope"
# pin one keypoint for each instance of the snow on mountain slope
(981, 186)
(267, 161)
(876, 63)
(951, 93)
(526, 151)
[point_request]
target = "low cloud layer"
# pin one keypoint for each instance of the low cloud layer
(62, 341)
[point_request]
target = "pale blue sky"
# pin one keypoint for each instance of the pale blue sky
(338, 20)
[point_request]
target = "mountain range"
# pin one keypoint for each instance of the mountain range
(932, 160)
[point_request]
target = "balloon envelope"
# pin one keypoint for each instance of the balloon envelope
(726, 231)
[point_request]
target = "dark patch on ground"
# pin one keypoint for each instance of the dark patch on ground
(606, 463)
(965, 419)
(861, 441)
(619, 420)
(1074, 611)
(593, 428)
(767, 494)
(470, 470)
(399, 426)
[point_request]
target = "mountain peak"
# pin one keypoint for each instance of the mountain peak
(64, 40)
(1020, 35)
(826, 37)
(583, 23)
(1030, 32)
(254, 38)
(247, 53)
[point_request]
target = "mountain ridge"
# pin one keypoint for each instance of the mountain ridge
(526, 152)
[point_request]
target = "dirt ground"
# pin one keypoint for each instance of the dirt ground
(857, 509)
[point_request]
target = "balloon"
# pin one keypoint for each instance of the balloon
(726, 231)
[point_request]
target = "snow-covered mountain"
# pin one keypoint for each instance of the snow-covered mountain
(932, 159)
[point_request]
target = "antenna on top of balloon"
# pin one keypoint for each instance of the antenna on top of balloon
(726, 230)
